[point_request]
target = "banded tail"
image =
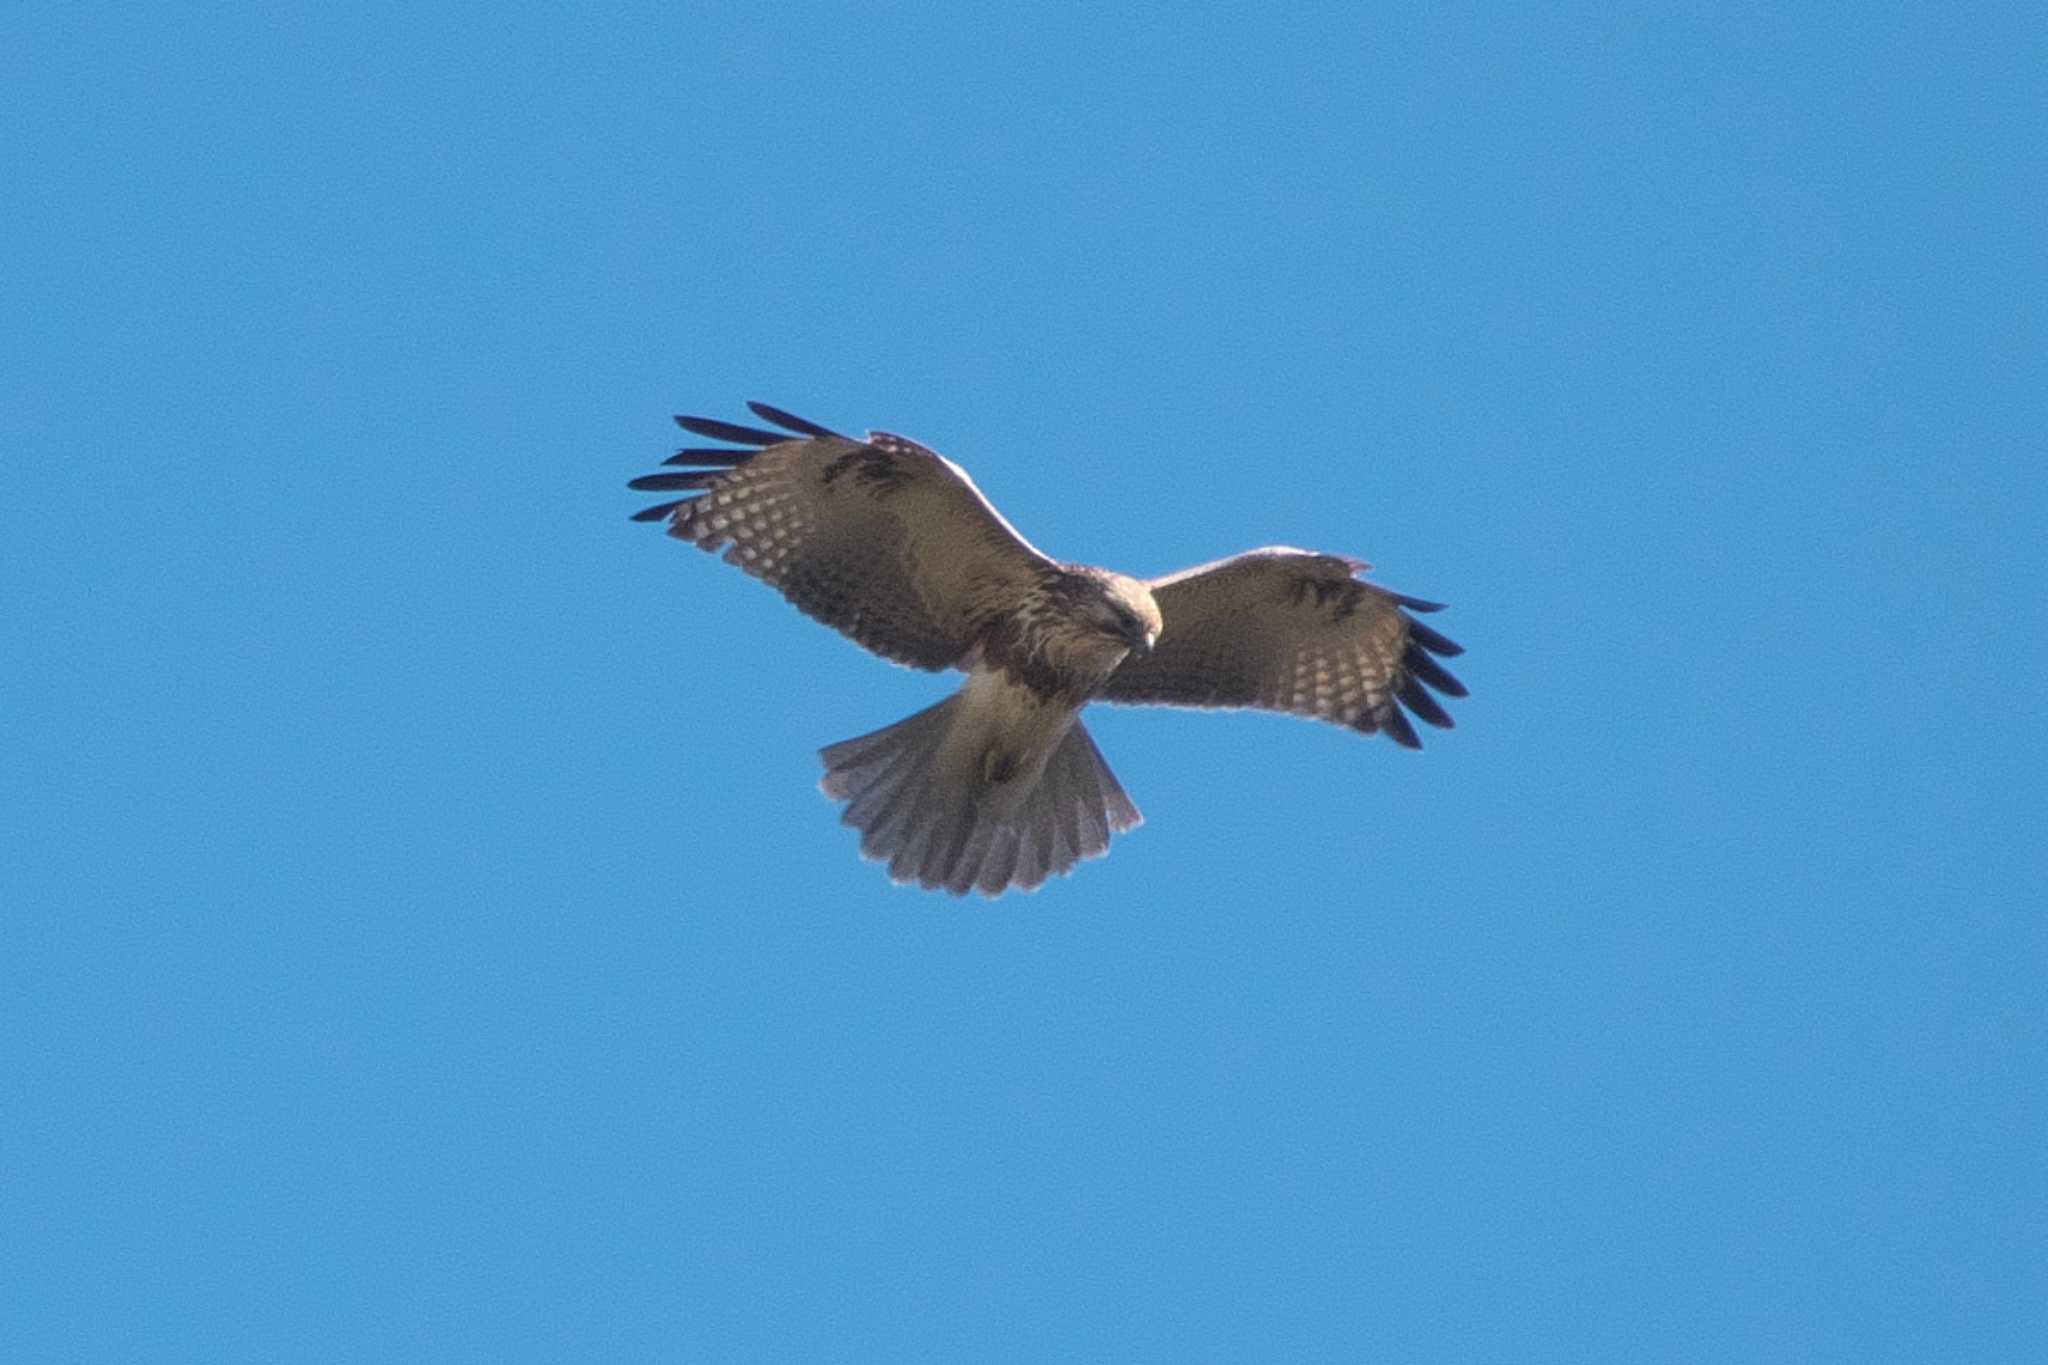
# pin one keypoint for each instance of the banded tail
(934, 815)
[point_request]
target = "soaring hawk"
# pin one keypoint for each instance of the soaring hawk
(999, 785)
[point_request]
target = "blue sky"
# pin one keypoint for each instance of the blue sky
(423, 938)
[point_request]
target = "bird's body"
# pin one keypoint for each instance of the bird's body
(1000, 785)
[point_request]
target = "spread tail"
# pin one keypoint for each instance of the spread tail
(938, 820)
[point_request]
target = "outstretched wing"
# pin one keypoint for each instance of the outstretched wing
(882, 539)
(1289, 630)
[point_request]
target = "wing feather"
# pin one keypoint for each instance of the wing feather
(1289, 630)
(710, 455)
(801, 425)
(730, 431)
(882, 539)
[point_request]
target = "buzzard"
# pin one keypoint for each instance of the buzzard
(999, 785)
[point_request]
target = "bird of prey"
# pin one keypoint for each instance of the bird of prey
(999, 785)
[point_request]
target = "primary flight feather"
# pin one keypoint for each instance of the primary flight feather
(999, 785)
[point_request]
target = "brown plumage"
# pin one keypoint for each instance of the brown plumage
(1000, 786)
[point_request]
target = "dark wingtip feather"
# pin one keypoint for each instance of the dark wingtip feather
(1433, 642)
(673, 483)
(1394, 724)
(1417, 603)
(730, 431)
(692, 455)
(1420, 665)
(1417, 699)
(660, 511)
(789, 420)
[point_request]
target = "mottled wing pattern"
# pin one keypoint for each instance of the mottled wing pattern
(881, 539)
(1289, 630)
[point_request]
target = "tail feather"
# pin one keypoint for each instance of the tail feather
(1035, 854)
(907, 840)
(933, 820)
(1067, 838)
(999, 869)
(1041, 848)
(976, 858)
(868, 773)
(1117, 807)
(950, 837)
(1094, 825)
(923, 826)
(895, 814)
(883, 797)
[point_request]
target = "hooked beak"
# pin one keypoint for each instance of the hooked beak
(1141, 641)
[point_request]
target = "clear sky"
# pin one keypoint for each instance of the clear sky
(423, 937)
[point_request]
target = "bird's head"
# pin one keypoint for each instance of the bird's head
(1124, 611)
